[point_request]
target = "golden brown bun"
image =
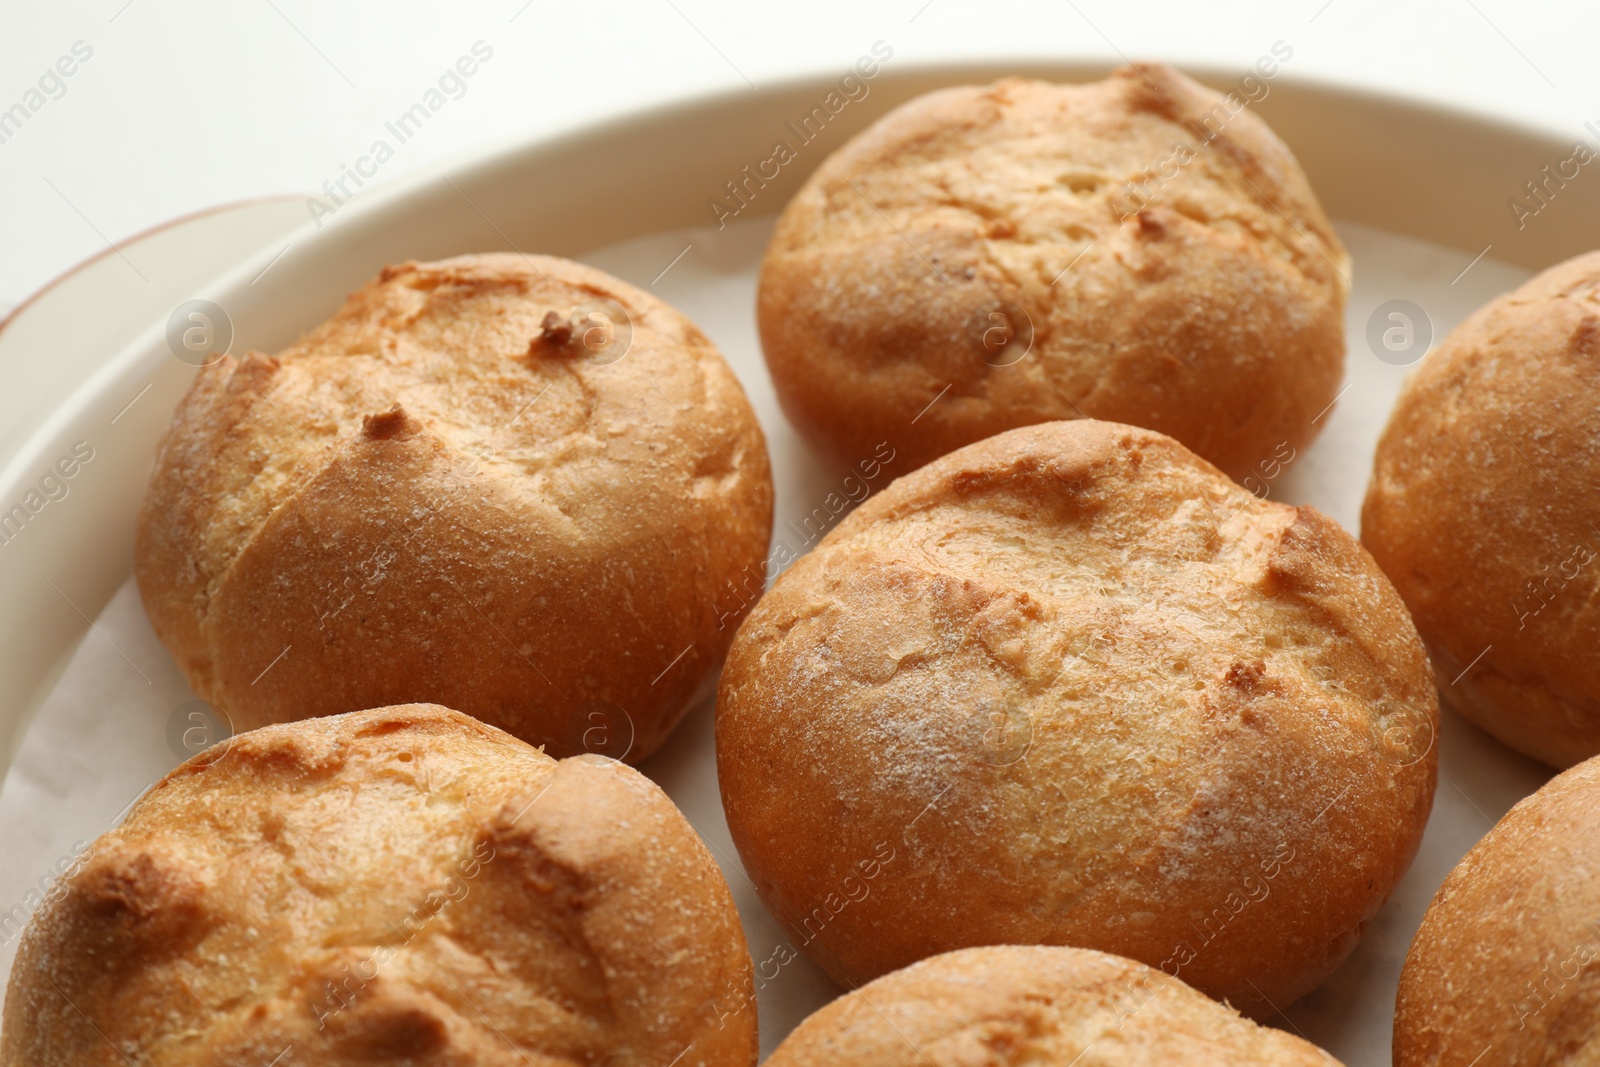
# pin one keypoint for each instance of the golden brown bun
(1208, 307)
(1030, 1006)
(1071, 685)
(440, 494)
(1482, 511)
(1503, 972)
(404, 885)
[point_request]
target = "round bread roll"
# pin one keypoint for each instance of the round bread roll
(509, 484)
(986, 257)
(1028, 1006)
(1071, 685)
(1502, 972)
(403, 885)
(1482, 511)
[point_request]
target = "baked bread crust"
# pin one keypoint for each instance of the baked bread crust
(1207, 303)
(1481, 510)
(441, 494)
(1018, 1006)
(401, 885)
(1506, 957)
(1071, 685)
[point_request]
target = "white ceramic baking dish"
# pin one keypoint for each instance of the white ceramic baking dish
(1403, 167)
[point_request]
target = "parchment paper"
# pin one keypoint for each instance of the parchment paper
(116, 721)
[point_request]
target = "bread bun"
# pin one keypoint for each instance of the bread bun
(1071, 685)
(1139, 249)
(1031, 1005)
(1481, 509)
(509, 484)
(1502, 971)
(403, 885)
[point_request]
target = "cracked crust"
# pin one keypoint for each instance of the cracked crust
(1031, 1006)
(402, 885)
(1481, 510)
(1210, 308)
(1087, 691)
(440, 494)
(1508, 955)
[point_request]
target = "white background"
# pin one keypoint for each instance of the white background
(188, 104)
